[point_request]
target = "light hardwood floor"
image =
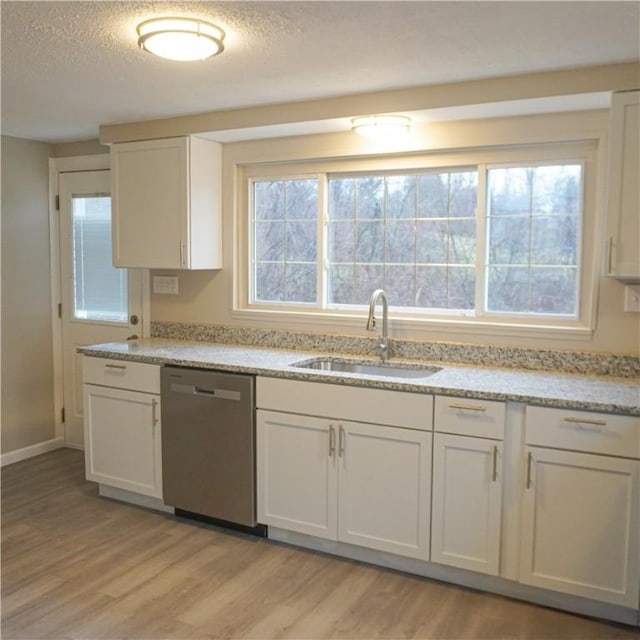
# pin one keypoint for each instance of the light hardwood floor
(75, 565)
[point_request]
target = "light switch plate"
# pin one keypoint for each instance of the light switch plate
(632, 298)
(165, 284)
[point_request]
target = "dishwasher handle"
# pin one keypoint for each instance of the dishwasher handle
(195, 390)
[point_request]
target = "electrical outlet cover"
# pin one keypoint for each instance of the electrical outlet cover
(632, 298)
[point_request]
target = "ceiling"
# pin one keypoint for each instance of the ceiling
(68, 67)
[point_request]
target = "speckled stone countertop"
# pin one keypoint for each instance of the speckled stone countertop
(612, 395)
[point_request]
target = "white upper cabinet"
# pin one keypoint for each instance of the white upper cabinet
(167, 204)
(624, 190)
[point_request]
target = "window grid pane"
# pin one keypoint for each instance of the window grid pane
(413, 235)
(285, 254)
(533, 220)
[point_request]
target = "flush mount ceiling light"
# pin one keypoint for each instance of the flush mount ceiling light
(381, 126)
(182, 39)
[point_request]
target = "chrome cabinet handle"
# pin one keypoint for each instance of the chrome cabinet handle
(340, 441)
(495, 463)
(182, 257)
(154, 417)
(597, 423)
(122, 367)
(529, 458)
(466, 407)
(332, 441)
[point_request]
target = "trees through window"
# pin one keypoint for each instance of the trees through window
(477, 240)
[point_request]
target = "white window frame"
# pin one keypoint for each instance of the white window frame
(584, 152)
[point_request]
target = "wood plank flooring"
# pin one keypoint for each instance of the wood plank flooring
(78, 566)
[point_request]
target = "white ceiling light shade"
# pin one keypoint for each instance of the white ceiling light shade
(381, 126)
(182, 39)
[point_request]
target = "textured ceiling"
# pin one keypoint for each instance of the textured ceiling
(68, 67)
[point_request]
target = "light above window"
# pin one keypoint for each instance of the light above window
(381, 126)
(182, 39)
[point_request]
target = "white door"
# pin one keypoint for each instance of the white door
(384, 490)
(580, 529)
(467, 503)
(99, 303)
(296, 474)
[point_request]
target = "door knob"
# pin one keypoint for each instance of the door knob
(133, 319)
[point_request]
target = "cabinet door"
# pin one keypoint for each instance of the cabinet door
(580, 525)
(150, 203)
(624, 196)
(122, 439)
(384, 488)
(467, 503)
(296, 474)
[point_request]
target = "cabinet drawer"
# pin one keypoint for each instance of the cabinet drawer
(123, 374)
(469, 417)
(377, 406)
(583, 431)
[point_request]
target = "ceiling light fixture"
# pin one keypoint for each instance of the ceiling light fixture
(182, 39)
(381, 126)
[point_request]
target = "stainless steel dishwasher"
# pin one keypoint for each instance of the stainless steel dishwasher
(208, 445)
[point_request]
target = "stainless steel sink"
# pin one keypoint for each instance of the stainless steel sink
(368, 368)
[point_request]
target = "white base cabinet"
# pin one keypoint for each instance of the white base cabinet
(580, 508)
(337, 478)
(122, 430)
(296, 476)
(467, 483)
(384, 488)
(467, 503)
(363, 484)
(580, 525)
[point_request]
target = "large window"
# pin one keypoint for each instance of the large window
(483, 240)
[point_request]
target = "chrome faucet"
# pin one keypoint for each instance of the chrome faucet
(383, 343)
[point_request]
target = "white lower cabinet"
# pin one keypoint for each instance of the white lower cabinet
(122, 431)
(580, 510)
(296, 475)
(364, 484)
(467, 483)
(467, 503)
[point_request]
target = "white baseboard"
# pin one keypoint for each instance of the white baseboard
(134, 498)
(29, 452)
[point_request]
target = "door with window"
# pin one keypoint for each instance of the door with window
(99, 302)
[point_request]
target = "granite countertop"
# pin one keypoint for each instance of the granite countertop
(612, 395)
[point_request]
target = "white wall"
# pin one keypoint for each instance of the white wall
(26, 350)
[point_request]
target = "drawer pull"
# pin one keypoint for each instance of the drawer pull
(121, 367)
(154, 417)
(581, 421)
(332, 441)
(466, 407)
(495, 463)
(529, 458)
(340, 441)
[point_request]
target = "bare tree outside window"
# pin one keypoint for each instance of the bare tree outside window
(533, 217)
(285, 240)
(424, 238)
(413, 235)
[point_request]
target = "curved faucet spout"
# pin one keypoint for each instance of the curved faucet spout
(383, 342)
